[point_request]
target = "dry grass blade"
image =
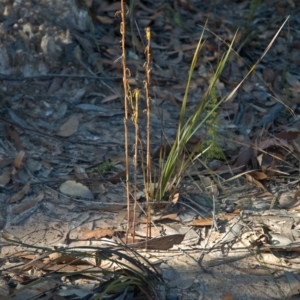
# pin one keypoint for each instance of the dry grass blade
(148, 183)
(126, 100)
(229, 97)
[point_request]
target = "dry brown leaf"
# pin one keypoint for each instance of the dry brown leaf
(227, 296)
(160, 243)
(59, 258)
(141, 230)
(104, 20)
(97, 233)
(175, 198)
(202, 222)
(20, 194)
(68, 268)
(250, 179)
(19, 208)
(55, 255)
(117, 178)
(57, 82)
(19, 159)
(69, 127)
(258, 175)
(274, 142)
(287, 135)
(9, 236)
(168, 217)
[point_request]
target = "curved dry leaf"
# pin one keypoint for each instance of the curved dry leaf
(69, 127)
(75, 189)
(20, 194)
(160, 243)
(60, 258)
(97, 233)
(20, 208)
(258, 175)
(287, 135)
(250, 179)
(234, 232)
(24, 215)
(227, 296)
(9, 236)
(110, 98)
(104, 20)
(279, 240)
(274, 142)
(18, 120)
(202, 222)
(18, 160)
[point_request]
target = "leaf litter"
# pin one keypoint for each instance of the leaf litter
(54, 129)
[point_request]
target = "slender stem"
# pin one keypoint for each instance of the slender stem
(126, 95)
(135, 118)
(148, 171)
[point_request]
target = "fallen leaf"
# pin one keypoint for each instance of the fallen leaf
(227, 296)
(287, 135)
(274, 142)
(57, 82)
(19, 195)
(117, 178)
(75, 189)
(171, 216)
(250, 179)
(8, 236)
(160, 243)
(18, 160)
(69, 127)
(15, 137)
(110, 98)
(258, 175)
(97, 233)
(104, 20)
(175, 198)
(202, 222)
(19, 208)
